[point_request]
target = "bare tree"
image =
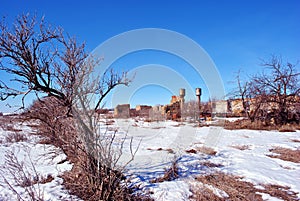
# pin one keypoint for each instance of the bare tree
(280, 85)
(30, 53)
(44, 60)
(250, 95)
(272, 94)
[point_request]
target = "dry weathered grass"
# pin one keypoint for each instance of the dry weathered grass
(247, 124)
(258, 125)
(295, 140)
(235, 188)
(204, 150)
(170, 174)
(287, 128)
(169, 150)
(282, 192)
(286, 154)
(210, 164)
(15, 137)
(8, 123)
(241, 147)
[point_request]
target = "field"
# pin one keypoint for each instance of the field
(174, 161)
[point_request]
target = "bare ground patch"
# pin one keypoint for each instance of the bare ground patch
(285, 154)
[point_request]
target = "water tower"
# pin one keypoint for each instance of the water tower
(181, 96)
(198, 94)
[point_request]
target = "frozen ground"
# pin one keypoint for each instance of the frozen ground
(240, 152)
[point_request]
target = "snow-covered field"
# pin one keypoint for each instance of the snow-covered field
(240, 152)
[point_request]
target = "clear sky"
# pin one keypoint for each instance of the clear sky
(234, 33)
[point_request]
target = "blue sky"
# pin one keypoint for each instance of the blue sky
(235, 34)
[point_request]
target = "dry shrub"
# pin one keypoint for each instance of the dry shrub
(8, 122)
(170, 174)
(236, 189)
(55, 126)
(15, 137)
(90, 178)
(286, 154)
(23, 175)
(88, 182)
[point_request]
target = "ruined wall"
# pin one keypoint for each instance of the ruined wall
(122, 111)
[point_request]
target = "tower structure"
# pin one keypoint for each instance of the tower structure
(198, 94)
(181, 97)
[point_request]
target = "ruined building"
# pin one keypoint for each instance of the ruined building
(122, 111)
(173, 110)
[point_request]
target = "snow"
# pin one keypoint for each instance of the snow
(38, 161)
(252, 163)
(154, 156)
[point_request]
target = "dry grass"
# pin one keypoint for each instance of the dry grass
(241, 147)
(295, 140)
(210, 165)
(169, 150)
(286, 154)
(204, 150)
(170, 174)
(235, 188)
(247, 124)
(287, 128)
(258, 125)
